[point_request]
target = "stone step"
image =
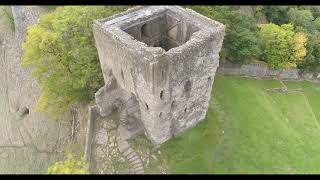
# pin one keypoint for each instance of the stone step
(124, 121)
(124, 118)
(123, 115)
(137, 166)
(135, 162)
(133, 158)
(129, 157)
(123, 112)
(139, 170)
(128, 152)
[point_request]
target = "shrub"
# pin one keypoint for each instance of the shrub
(69, 166)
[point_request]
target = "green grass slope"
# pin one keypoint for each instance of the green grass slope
(251, 130)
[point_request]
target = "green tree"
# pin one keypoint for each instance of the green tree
(277, 14)
(279, 45)
(241, 39)
(315, 10)
(61, 50)
(311, 61)
(301, 18)
(316, 23)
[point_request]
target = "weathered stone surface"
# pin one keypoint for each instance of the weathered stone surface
(165, 57)
(307, 76)
(24, 16)
(254, 70)
(262, 71)
(289, 74)
(102, 137)
(136, 166)
(31, 143)
(132, 156)
(123, 146)
(128, 152)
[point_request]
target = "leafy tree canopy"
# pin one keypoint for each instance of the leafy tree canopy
(282, 47)
(61, 50)
(303, 18)
(241, 41)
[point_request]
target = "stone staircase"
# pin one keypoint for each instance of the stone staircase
(130, 126)
(135, 162)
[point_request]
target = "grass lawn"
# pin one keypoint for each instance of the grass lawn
(250, 130)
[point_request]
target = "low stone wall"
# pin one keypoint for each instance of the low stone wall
(93, 113)
(262, 71)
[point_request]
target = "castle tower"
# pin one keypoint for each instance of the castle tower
(162, 60)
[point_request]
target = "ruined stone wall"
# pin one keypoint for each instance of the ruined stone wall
(262, 71)
(259, 70)
(165, 61)
(132, 73)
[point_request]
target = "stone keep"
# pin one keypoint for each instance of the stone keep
(158, 64)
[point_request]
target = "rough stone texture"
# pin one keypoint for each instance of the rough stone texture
(289, 74)
(307, 75)
(29, 142)
(110, 154)
(257, 70)
(93, 113)
(24, 16)
(262, 71)
(164, 57)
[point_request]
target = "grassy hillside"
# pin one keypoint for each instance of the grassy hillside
(251, 130)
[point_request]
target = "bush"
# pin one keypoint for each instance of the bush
(69, 166)
(62, 51)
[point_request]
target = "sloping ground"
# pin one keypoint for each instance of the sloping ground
(30, 144)
(251, 130)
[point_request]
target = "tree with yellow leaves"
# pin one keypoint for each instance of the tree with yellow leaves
(281, 46)
(299, 46)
